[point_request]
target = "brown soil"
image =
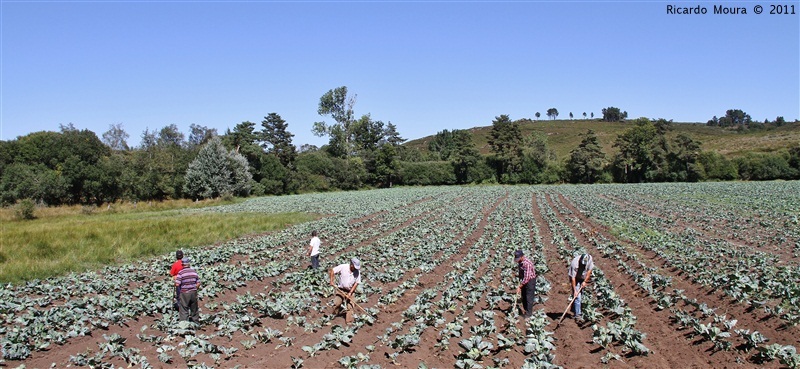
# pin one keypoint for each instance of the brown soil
(671, 347)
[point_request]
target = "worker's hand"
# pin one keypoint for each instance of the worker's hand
(519, 290)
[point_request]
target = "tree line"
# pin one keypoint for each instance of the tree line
(77, 167)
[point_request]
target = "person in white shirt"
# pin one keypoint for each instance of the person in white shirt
(313, 250)
(349, 278)
(579, 271)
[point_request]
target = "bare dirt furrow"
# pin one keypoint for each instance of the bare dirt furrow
(662, 337)
(368, 335)
(62, 353)
(754, 319)
(573, 342)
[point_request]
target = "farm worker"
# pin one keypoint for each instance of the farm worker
(349, 278)
(176, 267)
(187, 281)
(527, 282)
(313, 250)
(580, 270)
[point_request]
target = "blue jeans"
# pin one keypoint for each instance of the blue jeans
(315, 262)
(576, 306)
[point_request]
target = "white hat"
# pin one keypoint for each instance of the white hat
(356, 263)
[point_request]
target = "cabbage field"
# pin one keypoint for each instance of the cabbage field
(687, 275)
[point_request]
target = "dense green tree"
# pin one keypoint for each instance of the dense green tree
(764, 166)
(538, 115)
(274, 177)
(587, 162)
(570, 115)
(716, 167)
(32, 181)
(386, 164)
(427, 173)
(536, 156)
(733, 117)
(794, 157)
(161, 163)
(465, 157)
(552, 113)
(244, 140)
(505, 141)
(443, 144)
(584, 115)
(684, 163)
(216, 172)
(277, 140)
(635, 156)
(367, 134)
(613, 114)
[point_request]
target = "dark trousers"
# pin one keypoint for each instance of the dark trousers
(188, 307)
(176, 299)
(528, 296)
(315, 262)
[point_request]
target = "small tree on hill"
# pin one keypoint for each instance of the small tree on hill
(613, 114)
(538, 115)
(552, 113)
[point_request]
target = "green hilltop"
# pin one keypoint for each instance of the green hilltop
(565, 135)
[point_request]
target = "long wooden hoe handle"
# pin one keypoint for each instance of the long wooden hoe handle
(348, 298)
(570, 304)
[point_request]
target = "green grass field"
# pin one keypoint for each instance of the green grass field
(52, 245)
(563, 136)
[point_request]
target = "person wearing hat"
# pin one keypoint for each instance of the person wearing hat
(527, 282)
(176, 267)
(349, 278)
(187, 281)
(580, 270)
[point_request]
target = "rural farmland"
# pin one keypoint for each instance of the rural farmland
(686, 275)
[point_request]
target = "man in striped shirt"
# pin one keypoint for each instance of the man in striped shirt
(188, 282)
(527, 282)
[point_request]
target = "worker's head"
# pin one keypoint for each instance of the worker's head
(179, 254)
(187, 261)
(314, 233)
(518, 255)
(355, 264)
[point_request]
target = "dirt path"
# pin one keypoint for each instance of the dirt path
(662, 334)
(573, 342)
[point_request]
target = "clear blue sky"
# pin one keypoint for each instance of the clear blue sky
(425, 66)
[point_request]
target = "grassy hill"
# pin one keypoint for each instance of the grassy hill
(565, 135)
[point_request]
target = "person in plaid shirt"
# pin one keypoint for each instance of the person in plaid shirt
(527, 282)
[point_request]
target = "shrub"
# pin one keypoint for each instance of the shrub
(25, 210)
